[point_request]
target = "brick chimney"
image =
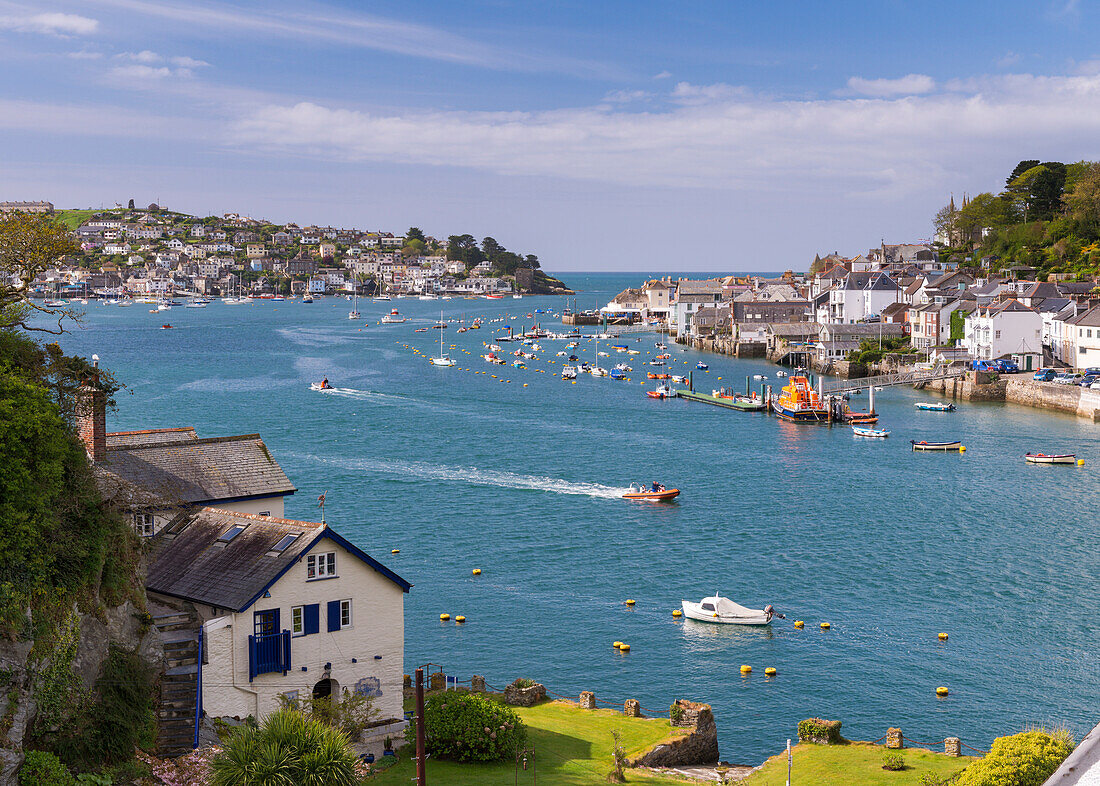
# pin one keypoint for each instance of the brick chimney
(91, 421)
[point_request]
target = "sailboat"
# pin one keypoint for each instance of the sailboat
(442, 360)
(354, 313)
(596, 371)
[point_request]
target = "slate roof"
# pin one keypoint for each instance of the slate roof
(796, 329)
(699, 288)
(189, 562)
(1090, 318)
(894, 308)
(120, 439)
(1006, 305)
(864, 329)
(199, 470)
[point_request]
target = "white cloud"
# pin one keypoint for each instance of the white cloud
(85, 54)
(1008, 59)
(627, 96)
(149, 65)
(910, 84)
(663, 75)
(188, 62)
(63, 25)
(139, 71)
(727, 139)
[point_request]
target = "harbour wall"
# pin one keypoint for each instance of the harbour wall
(1021, 389)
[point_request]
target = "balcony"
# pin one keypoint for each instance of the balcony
(268, 653)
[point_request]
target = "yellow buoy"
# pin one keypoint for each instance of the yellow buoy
(525, 384)
(677, 613)
(444, 617)
(770, 671)
(395, 551)
(941, 691)
(460, 619)
(799, 623)
(477, 571)
(943, 637)
(962, 449)
(624, 648)
(617, 644)
(629, 602)
(746, 669)
(825, 626)
(1080, 462)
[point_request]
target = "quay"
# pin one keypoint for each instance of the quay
(728, 403)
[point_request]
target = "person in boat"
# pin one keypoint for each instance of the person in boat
(324, 384)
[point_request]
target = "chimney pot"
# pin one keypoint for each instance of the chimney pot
(92, 422)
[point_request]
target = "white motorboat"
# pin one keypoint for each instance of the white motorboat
(568, 372)
(321, 386)
(622, 367)
(726, 612)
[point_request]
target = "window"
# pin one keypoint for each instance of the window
(321, 566)
(231, 533)
(345, 614)
(265, 512)
(144, 524)
(284, 542)
(998, 334)
(297, 621)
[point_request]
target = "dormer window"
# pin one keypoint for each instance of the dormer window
(231, 533)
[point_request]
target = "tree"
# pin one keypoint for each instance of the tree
(287, 749)
(1026, 759)
(29, 244)
(1021, 167)
(415, 233)
(943, 223)
(1083, 200)
(130, 205)
(531, 261)
(463, 248)
(984, 210)
(491, 249)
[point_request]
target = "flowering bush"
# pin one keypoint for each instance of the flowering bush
(469, 727)
(1026, 759)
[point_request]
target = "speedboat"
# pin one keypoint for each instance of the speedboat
(680, 379)
(617, 373)
(935, 406)
(654, 493)
(725, 611)
(390, 319)
(701, 366)
(568, 372)
(622, 367)
(320, 385)
(661, 391)
(861, 431)
(1045, 458)
(656, 362)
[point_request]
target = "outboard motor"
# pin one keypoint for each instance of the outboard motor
(771, 612)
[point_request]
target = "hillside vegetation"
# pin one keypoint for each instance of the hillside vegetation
(1046, 217)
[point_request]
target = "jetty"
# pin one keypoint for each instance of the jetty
(917, 378)
(719, 401)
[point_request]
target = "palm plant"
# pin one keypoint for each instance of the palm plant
(287, 749)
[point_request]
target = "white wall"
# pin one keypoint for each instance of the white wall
(378, 628)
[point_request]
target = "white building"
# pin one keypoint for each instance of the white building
(859, 296)
(1005, 329)
(1084, 339)
(286, 608)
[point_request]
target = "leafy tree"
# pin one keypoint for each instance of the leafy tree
(469, 727)
(463, 248)
(1021, 167)
(29, 244)
(415, 233)
(1083, 199)
(531, 261)
(1026, 759)
(491, 249)
(130, 205)
(286, 749)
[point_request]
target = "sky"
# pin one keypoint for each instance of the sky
(720, 135)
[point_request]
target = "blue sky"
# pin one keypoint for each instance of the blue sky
(600, 136)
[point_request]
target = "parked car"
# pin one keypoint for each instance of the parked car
(1095, 386)
(1007, 366)
(984, 365)
(1045, 375)
(1072, 379)
(1088, 379)
(1061, 378)
(1094, 370)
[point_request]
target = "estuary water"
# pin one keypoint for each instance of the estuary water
(461, 470)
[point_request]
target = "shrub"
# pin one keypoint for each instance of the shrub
(894, 762)
(820, 731)
(351, 715)
(469, 727)
(524, 683)
(1025, 759)
(618, 757)
(675, 713)
(44, 769)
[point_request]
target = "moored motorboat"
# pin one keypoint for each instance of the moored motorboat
(724, 611)
(702, 366)
(862, 431)
(617, 373)
(934, 446)
(653, 375)
(662, 391)
(1049, 458)
(653, 493)
(800, 403)
(568, 372)
(935, 406)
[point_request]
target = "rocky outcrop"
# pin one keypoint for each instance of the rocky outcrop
(698, 747)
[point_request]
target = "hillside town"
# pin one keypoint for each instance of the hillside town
(904, 293)
(153, 252)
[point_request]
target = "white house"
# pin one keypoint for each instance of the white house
(1085, 330)
(859, 296)
(1005, 329)
(286, 608)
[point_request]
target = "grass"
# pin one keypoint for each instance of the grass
(73, 218)
(572, 747)
(856, 764)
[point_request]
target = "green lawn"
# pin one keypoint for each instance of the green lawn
(73, 218)
(857, 764)
(572, 747)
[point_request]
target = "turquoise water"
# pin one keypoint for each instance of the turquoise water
(458, 470)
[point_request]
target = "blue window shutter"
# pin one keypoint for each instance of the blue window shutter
(312, 618)
(333, 615)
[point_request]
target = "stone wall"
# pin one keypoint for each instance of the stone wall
(520, 694)
(1021, 389)
(699, 747)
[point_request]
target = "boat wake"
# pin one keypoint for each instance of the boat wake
(414, 472)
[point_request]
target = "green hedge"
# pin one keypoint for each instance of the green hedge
(819, 730)
(1025, 759)
(44, 769)
(469, 727)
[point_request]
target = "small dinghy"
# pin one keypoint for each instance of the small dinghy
(653, 493)
(617, 373)
(940, 446)
(653, 375)
(724, 611)
(662, 391)
(568, 372)
(701, 366)
(861, 431)
(935, 406)
(1045, 458)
